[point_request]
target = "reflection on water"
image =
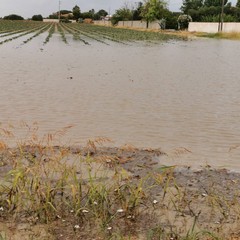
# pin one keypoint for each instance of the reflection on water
(177, 94)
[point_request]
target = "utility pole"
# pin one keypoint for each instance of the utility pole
(220, 26)
(59, 11)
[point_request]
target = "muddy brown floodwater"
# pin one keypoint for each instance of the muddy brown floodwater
(173, 95)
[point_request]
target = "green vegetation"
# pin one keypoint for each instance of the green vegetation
(50, 33)
(13, 17)
(11, 31)
(122, 14)
(76, 12)
(86, 33)
(153, 10)
(37, 33)
(209, 10)
(62, 33)
(37, 17)
(107, 34)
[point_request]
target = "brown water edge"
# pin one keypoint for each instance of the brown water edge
(203, 201)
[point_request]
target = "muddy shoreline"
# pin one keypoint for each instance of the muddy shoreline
(206, 195)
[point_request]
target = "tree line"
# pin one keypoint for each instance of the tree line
(76, 14)
(209, 10)
(152, 10)
(191, 10)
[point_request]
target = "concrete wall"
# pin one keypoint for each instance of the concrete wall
(213, 27)
(134, 24)
(103, 23)
(56, 20)
(138, 24)
(51, 20)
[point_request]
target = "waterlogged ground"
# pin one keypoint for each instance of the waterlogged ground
(113, 193)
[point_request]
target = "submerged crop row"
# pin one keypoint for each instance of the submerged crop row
(84, 33)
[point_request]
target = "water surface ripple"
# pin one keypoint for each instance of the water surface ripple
(176, 94)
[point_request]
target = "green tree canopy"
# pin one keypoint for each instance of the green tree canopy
(76, 12)
(238, 4)
(122, 14)
(191, 4)
(137, 12)
(215, 3)
(153, 9)
(13, 17)
(85, 15)
(101, 13)
(37, 17)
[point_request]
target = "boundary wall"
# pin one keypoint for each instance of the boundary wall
(210, 27)
(56, 20)
(133, 24)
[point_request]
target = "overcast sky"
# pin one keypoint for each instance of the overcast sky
(27, 8)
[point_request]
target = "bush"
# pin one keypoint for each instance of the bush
(13, 17)
(171, 19)
(215, 18)
(65, 20)
(183, 21)
(115, 19)
(37, 18)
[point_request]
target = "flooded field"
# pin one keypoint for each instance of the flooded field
(171, 94)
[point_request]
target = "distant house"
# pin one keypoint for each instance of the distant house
(107, 18)
(50, 20)
(67, 15)
(64, 15)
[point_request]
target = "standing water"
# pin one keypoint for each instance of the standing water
(182, 94)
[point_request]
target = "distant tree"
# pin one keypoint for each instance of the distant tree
(13, 17)
(171, 19)
(76, 12)
(92, 12)
(85, 15)
(122, 14)
(137, 12)
(215, 3)
(152, 10)
(53, 16)
(238, 4)
(100, 14)
(191, 4)
(37, 17)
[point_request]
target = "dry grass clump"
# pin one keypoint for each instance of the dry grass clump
(221, 35)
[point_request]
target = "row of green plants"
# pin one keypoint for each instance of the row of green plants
(80, 32)
(62, 33)
(92, 33)
(11, 26)
(118, 34)
(40, 31)
(31, 30)
(50, 33)
(75, 33)
(88, 35)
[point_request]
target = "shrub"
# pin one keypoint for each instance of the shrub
(13, 17)
(37, 18)
(183, 21)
